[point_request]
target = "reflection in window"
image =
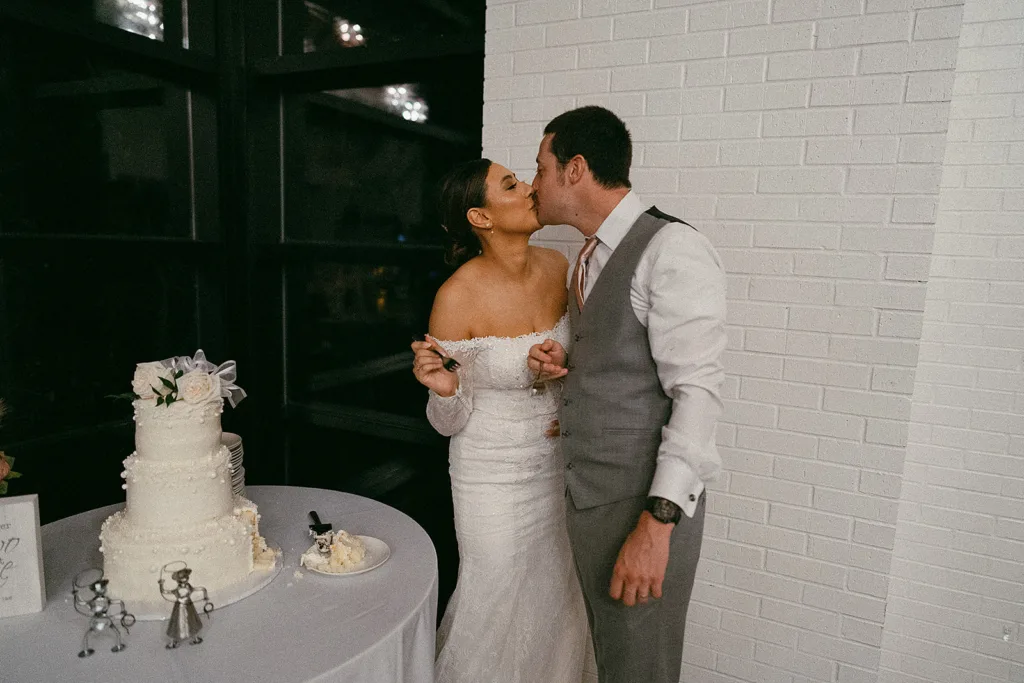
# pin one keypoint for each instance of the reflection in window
(143, 17)
(403, 101)
(327, 30)
(368, 177)
(399, 99)
(332, 25)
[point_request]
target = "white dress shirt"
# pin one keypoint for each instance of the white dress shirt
(678, 294)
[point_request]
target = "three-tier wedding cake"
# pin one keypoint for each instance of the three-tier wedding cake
(180, 506)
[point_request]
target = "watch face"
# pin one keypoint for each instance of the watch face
(664, 511)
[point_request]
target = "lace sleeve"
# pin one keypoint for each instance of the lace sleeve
(449, 414)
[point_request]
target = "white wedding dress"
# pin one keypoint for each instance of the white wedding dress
(517, 614)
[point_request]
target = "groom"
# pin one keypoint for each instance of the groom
(642, 377)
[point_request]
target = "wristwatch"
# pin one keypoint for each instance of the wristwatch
(665, 511)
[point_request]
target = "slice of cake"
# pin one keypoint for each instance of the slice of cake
(335, 552)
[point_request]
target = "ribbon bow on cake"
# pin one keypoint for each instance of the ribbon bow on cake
(226, 371)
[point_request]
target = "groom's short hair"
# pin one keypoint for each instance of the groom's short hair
(600, 137)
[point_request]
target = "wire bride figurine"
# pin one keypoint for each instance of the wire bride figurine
(185, 623)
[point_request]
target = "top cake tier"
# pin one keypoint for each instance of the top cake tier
(180, 431)
(178, 403)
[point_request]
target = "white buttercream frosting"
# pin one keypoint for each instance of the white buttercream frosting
(176, 493)
(219, 552)
(180, 431)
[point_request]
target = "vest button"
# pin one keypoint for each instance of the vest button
(566, 434)
(578, 337)
(692, 497)
(570, 366)
(565, 401)
(569, 466)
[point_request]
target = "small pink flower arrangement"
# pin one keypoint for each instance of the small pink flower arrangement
(6, 463)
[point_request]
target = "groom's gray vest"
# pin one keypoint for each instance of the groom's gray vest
(613, 406)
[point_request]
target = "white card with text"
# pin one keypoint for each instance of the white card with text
(22, 590)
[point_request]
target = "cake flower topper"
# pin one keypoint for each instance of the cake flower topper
(227, 372)
(181, 378)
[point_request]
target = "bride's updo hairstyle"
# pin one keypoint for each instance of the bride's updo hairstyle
(463, 188)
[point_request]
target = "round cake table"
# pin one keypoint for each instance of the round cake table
(376, 627)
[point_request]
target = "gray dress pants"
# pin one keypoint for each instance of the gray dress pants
(643, 643)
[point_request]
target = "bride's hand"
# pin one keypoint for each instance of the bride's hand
(548, 359)
(429, 368)
(554, 430)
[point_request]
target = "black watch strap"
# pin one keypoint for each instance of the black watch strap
(663, 510)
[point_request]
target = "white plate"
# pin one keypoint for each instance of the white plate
(232, 441)
(377, 553)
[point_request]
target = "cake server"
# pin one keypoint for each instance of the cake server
(317, 527)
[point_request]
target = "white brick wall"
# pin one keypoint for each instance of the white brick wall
(810, 139)
(956, 573)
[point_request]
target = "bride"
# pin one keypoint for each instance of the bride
(517, 614)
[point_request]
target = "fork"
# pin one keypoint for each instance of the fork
(449, 363)
(539, 386)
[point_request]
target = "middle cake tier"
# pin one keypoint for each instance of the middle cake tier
(177, 493)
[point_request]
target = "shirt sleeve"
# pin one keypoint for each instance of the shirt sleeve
(679, 294)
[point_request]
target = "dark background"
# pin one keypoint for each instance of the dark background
(227, 176)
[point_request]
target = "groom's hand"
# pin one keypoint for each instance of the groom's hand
(548, 359)
(640, 569)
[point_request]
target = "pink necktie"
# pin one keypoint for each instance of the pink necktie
(579, 276)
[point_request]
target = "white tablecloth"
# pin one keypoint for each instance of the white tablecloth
(376, 627)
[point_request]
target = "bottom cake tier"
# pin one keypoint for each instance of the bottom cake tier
(222, 553)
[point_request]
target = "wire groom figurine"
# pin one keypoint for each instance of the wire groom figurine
(98, 609)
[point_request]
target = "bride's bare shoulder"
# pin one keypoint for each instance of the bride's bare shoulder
(453, 306)
(555, 264)
(463, 281)
(552, 259)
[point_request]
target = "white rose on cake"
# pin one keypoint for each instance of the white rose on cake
(198, 387)
(147, 384)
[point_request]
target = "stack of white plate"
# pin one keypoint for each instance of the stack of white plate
(234, 444)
